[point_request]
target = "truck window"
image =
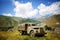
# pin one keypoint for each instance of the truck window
(33, 24)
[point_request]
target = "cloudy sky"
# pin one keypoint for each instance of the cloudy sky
(29, 8)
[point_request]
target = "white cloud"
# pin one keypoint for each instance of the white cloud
(51, 9)
(9, 14)
(24, 10)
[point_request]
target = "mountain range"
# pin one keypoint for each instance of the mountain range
(6, 21)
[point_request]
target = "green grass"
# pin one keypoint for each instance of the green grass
(15, 35)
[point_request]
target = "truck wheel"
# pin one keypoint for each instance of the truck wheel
(23, 32)
(32, 34)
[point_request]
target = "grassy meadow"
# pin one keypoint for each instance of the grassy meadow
(15, 35)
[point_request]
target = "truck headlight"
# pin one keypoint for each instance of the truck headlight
(36, 31)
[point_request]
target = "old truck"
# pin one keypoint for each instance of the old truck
(31, 29)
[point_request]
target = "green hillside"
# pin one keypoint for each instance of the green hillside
(7, 21)
(14, 21)
(53, 21)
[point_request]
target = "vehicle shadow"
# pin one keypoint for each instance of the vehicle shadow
(39, 36)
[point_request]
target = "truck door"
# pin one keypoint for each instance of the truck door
(41, 30)
(26, 25)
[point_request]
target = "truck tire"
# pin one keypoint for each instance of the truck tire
(32, 34)
(23, 33)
